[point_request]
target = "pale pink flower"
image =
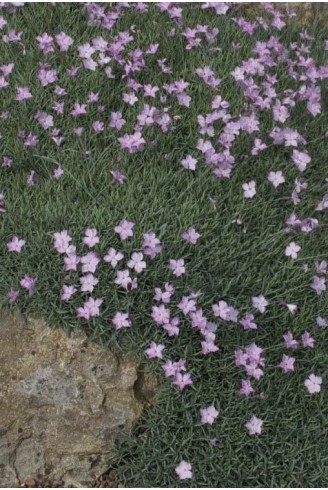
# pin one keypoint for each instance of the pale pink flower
(89, 262)
(177, 267)
(15, 245)
(249, 189)
(287, 363)
(301, 159)
(124, 229)
(290, 342)
(191, 235)
(318, 284)
(121, 320)
(292, 250)
(58, 172)
(64, 41)
(113, 257)
(155, 351)
(184, 471)
(67, 292)
(260, 303)
(90, 309)
(313, 384)
(208, 415)
(182, 380)
(28, 283)
(164, 296)
(276, 178)
(61, 241)
(12, 296)
(307, 340)
(247, 322)
(189, 163)
(71, 262)
(254, 425)
(246, 388)
(88, 282)
(90, 238)
(136, 262)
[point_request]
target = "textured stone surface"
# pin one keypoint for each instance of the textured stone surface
(63, 402)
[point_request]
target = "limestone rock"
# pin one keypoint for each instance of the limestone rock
(63, 403)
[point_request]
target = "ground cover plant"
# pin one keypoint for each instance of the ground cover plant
(163, 185)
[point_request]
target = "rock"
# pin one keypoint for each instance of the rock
(63, 403)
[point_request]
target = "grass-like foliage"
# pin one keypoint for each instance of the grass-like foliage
(222, 129)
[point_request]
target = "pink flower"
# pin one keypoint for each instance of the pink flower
(287, 363)
(28, 283)
(71, 262)
(113, 257)
(318, 284)
(89, 262)
(23, 93)
(132, 142)
(191, 236)
(67, 292)
(292, 250)
(182, 380)
(246, 388)
(58, 172)
(31, 179)
(307, 340)
(15, 245)
(208, 415)
(136, 262)
(155, 351)
(208, 345)
(183, 470)
(177, 267)
(91, 238)
(260, 303)
(254, 425)
(301, 159)
(12, 296)
(189, 163)
(172, 328)
(45, 43)
(61, 241)
(249, 189)
(118, 176)
(116, 120)
(124, 229)
(247, 322)
(6, 162)
(98, 126)
(313, 384)
(172, 368)
(47, 76)
(151, 245)
(85, 50)
(290, 342)
(160, 314)
(123, 279)
(64, 41)
(88, 282)
(166, 295)
(276, 178)
(78, 110)
(91, 308)
(121, 320)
